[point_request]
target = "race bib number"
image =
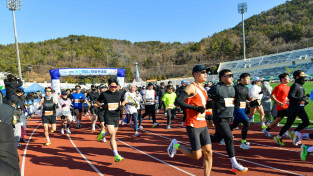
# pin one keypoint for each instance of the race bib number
(201, 117)
(77, 101)
(48, 113)
(170, 106)
(287, 101)
(229, 102)
(243, 105)
(302, 103)
(112, 106)
(259, 102)
(208, 112)
(65, 109)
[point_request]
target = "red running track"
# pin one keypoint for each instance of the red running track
(147, 155)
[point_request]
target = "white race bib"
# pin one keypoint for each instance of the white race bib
(201, 117)
(112, 106)
(48, 113)
(170, 106)
(302, 103)
(243, 105)
(229, 102)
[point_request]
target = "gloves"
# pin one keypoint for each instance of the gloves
(209, 104)
(199, 109)
(104, 106)
(63, 105)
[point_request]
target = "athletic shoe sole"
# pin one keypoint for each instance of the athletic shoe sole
(171, 148)
(240, 172)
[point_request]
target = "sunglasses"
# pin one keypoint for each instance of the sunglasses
(229, 75)
(48, 91)
(113, 87)
(203, 72)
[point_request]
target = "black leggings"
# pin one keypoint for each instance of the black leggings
(292, 117)
(223, 131)
(244, 131)
(150, 110)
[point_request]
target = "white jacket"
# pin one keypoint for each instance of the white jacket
(254, 92)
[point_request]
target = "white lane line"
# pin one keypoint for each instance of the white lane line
(161, 161)
(25, 150)
(226, 155)
(94, 168)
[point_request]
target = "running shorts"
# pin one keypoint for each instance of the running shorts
(198, 137)
(94, 110)
(112, 121)
(282, 113)
(49, 119)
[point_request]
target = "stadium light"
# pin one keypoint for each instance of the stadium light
(15, 5)
(242, 8)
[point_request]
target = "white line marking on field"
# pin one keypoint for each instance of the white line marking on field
(94, 168)
(161, 161)
(226, 155)
(25, 150)
(151, 156)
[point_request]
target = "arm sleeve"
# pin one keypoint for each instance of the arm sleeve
(180, 101)
(292, 94)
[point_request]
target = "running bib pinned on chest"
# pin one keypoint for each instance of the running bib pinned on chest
(243, 105)
(77, 101)
(287, 100)
(48, 113)
(112, 106)
(201, 117)
(65, 109)
(229, 102)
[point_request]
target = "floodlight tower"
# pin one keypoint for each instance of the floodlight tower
(15, 5)
(137, 71)
(242, 9)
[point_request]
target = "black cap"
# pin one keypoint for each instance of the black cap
(198, 68)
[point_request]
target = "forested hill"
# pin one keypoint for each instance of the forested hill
(285, 27)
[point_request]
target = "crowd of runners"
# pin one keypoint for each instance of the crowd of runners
(224, 106)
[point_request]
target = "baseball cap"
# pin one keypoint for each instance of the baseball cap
(257, 79)
(198, 68)
(183, 81)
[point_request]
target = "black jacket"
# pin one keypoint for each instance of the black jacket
(218, 93)
(296, 95)
(11, 86)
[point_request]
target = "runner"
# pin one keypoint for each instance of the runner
(280, 98)
(223, 95)
(94, 110)
(49, 105)
(161, 93)
(101, 115)
(305, 150)
(266, 101)
(65, 104)
(241, 100)
(149, 101)
(169, 101)
(112, 103)
(193, 99)
(297, 101)
(131, 108)
(78, 100)
(256, 95)
(140, 100)
(178, 91)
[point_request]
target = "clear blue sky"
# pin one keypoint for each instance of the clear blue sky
(133, 20)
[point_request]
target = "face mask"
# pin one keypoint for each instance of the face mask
(301, 80)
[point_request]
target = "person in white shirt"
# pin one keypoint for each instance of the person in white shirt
(256, 95)
(149, 101)
(131, 107)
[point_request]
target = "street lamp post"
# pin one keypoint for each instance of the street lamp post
(242, 8)
(15, 5)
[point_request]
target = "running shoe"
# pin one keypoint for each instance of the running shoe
(222, 142)
(286, 134)
(22, 140)
(297, 138)
(245, 146)
(279, 141)
(118, 158)
(62, 130)
(171, 150)
(291, 135)
(100, 136)
(155, 125)
(77, 125)
(267, 134)
(182, 124)
(104, 140)
(239, 169)
(264, 127)
(48, 143)
(52, 131)
(168, 127)
(68, 131)
(137, 134)
(140, 127)
(237, 128)
(165, 115)
(304, 152)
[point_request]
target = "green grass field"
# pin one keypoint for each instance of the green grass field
(308, 86)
